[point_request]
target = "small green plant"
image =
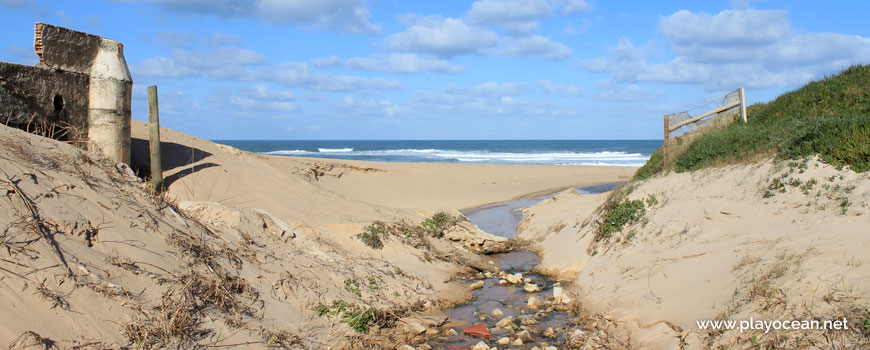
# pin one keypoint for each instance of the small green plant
(352, 285)
(438, 224)
(620, 214)
(844, 204)
(651, 200)
(358, 318)
(373, 235)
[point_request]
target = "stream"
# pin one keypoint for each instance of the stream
(511, 299)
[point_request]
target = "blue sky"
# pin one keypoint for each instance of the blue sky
(487, 69)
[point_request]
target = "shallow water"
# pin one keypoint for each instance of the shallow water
(502, 219)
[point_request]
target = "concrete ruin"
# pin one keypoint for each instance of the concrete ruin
(79, 92)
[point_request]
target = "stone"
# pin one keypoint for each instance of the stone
(533, 303)
(502, 282)
(527, 280)
(503, 341)
(517, 342)
(514, 278)
(477, 285)
(503, 323)
(531, 288)
(497, 313)
(527, 320)
(449, 332)
(405, 347)
(549, 333)
(550, 348)
(525, 336)
(480, 346)
(414, 328)
(479, 331)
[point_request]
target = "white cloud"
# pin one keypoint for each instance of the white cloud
(535, 45)
(489, 89)
(486, 99)
(560, 89)
(730, 27)
(296, 74)
(189, 63)
(747, 47)
(573, 6)
(349, 16)
(258, 99)
(609, 90)
(444, 37)
(515, 16)
(226, 63)
(403, 63)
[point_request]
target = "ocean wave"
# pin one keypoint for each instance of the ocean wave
(602, 158)
(287, 153)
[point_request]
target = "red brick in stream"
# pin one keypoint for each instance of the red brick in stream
(479, 330)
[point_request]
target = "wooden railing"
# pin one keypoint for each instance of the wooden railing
(726, 105)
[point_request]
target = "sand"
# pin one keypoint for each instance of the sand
(712, 245)
(240, 249)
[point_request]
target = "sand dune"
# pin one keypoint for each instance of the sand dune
(716, 244)
(240, 250)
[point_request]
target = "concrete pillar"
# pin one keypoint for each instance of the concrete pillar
(109, 99)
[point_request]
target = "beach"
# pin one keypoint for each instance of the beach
(288, 227)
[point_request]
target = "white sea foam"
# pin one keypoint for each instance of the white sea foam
(604, 158)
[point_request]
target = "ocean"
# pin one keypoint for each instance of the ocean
(559, 152)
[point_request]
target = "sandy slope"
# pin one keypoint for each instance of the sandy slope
(711, 245)
(248, 247)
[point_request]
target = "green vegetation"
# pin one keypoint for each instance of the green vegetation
(829, 118)
(352, 285)
(356, 317)
(373, 235)
(619, 214)
(435, 226)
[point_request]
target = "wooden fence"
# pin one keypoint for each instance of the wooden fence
(690, 124)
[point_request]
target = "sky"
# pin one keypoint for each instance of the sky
(487, 69)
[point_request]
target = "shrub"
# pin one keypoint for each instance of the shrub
(372, 235)
(829, 118)
(619, 214)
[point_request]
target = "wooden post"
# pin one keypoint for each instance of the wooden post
(154, 128)
(665, 146)
(742, 104)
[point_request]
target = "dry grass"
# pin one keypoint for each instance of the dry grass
(32, 340)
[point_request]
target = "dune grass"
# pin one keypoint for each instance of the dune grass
(829, 118)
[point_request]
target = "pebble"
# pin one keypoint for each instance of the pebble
(502, 282)
(549, 333)
(514, 278)
(480, 346)
(533, 303)
(497, 313)
(517, 342)
(525, 336)
(531, 288)
(503, 323)
(405, 347)
(503, 341)
(527, 320)
(477, 285)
